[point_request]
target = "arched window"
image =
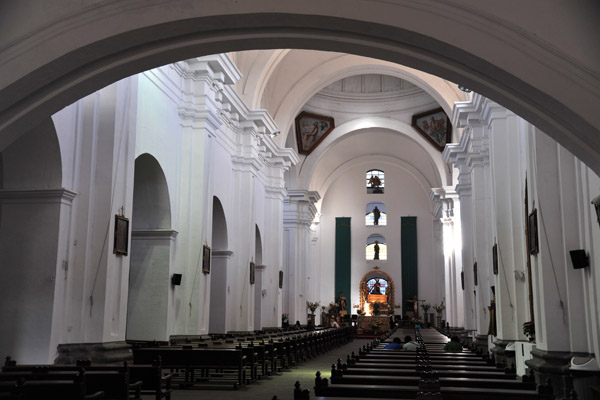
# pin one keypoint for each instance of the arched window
(376, 248)
(375, 214)
(375, 181)
(377, 286)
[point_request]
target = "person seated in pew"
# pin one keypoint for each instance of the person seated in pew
(395, 345)
(298, 326)
(453, 345)
(409, 345)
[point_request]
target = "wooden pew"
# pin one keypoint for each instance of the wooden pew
(206, 360)
(395, 374)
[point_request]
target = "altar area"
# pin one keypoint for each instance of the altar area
(376, 305)
(373, 324)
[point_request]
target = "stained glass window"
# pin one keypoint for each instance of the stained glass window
(375, 181)
(375, 214)
(376, 249)
(377, 286)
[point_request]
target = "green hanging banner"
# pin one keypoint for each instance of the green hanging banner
(410, 274)
(343, 259)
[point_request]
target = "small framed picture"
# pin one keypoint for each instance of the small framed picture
(532, 231)
(205, 259)
(121, 246)
(252, 272)
(475, 273)
(495, 258)
(280, 279)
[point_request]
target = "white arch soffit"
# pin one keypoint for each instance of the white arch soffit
(356, 126)
(258, 76)
(442, 91)
(367, 161)
(173, 217)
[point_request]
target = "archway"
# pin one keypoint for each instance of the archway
(218, 270)
(152, 242)
(89, 46)
(34, 245)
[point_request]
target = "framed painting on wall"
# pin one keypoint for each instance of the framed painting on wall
(435, 126)
(495, 258)
(121, 245)
(532, 231)
(205, 259)
(252, 272)
(311, 129)
(280, 279)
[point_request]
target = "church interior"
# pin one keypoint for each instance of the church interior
(172, 170)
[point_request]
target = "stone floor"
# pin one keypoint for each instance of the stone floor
(280, 385)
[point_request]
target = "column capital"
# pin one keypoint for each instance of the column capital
(300, 207)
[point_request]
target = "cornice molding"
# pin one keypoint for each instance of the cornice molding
(64, 196)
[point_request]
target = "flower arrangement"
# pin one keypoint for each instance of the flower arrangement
(312, 306)
(377, 325)
(284, 317)
(333, 307)
(529, 329)
(439, 308)
(425, 307)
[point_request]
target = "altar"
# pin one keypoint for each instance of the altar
(373, 323)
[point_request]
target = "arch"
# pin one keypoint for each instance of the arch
(90, 45)
(350, 65)
(363, 125)
(219, 226)
(151, 202)
(35, 216)
(151, 253)
(218, 271)
(364, 290)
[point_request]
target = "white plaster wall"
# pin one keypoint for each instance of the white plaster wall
(159, 126)
(403, 196)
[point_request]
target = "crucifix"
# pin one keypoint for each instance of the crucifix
(415, 302)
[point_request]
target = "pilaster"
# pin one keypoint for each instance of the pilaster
(299, 212)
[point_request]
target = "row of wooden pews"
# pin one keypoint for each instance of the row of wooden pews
(83, 381)
(428, 373)
(236, 360)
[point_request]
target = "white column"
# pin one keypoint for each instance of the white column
(453, 264)
(299, 211)
(199, 112)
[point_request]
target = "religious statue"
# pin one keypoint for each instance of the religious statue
(343, 302)
(376, 249)
(415, 302)
(376, 215)
(374, 181)
(376, 288)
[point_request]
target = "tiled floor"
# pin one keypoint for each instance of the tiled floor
(280, 385)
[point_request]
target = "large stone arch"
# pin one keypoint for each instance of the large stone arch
(512, 56)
